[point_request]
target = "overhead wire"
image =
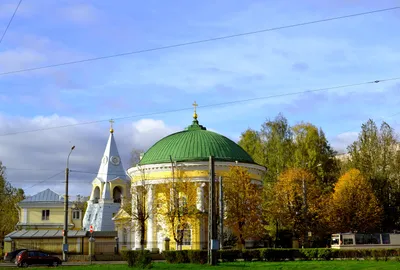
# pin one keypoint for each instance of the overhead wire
(198, 41)
(9, 22)
(204, 106)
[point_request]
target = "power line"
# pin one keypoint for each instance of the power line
(197, 41)
(206, 106)
(46, 179)
(9, 22)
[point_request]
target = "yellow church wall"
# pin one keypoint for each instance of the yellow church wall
(188, 174)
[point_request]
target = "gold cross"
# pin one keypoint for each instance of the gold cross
(195, 105)
(111, 125)
(195, 113)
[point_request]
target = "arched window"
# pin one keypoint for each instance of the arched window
(96, 195)
(117, 192)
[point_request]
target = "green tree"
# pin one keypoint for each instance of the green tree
(375, 153)
(9, 197)
(314, 153)
(250, 141)
(277, 147)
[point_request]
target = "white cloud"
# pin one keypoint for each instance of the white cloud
(81, 13)
(33, 157)
(341, 141)
(148, 131)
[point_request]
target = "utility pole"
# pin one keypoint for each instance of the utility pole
(212, 222)
(221, 215)
(65, 234)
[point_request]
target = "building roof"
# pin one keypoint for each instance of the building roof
(44, 234)
(195, 143)
(45, 196)
(111, 166)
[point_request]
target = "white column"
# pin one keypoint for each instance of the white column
(134, 224)
(200, 198)
(150, 221)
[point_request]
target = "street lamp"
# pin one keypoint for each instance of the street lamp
(65, 234)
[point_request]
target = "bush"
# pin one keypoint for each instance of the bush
(137, 258)
(228, 255)
(176, 256)
(198, 256)
(251, 254)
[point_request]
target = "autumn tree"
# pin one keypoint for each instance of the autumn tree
(353, 205)
(177, 198)
(9, 197)
(243, 200)
(376, 154)
(138, 205)
(294, 202)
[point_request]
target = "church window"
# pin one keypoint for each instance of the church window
(76, 214)
(124, 236)
(187, 235)
(45, 214)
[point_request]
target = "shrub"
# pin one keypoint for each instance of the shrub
(198, 256)
(251, 254)
(176, 256)
(229, 255)
(137, 258)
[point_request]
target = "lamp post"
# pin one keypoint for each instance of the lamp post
(65, 234)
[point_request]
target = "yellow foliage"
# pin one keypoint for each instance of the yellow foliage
(178, 201)
(353, 205)
(243, 200)
(285, 201)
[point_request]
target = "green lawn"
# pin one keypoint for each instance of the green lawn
(319, 265)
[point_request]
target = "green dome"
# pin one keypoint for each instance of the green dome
(195, 143)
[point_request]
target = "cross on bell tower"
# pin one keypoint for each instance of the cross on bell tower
(111, 126)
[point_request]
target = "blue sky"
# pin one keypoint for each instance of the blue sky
(44, 32)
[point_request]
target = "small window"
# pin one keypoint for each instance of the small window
(124, 236)
(76, 214)
(187, 237)
(45, 214)
(348, 241)
(385, 239)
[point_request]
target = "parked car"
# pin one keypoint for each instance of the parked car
(10, 256)
(35, 257)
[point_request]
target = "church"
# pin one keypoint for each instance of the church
(183, 153)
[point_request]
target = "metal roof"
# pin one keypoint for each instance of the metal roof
(45, 196)
(44, 234)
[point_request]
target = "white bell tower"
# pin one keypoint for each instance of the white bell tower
(108, 188)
